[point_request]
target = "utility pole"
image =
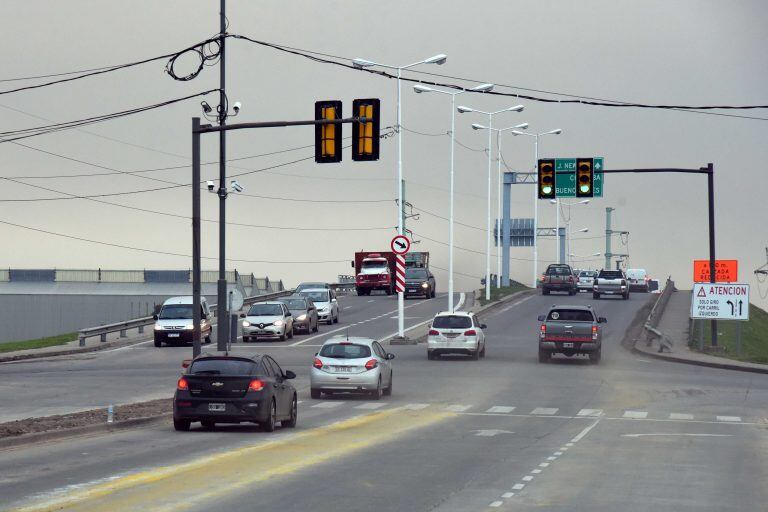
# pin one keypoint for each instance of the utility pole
(222, 335)
(712, 274)
(608, 234)
(196, 311)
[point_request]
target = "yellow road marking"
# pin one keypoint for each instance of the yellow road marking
(181, 486)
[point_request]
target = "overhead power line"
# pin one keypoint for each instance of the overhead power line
(581, 100)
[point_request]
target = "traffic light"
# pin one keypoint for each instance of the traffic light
(585, 177)
(546, 179)
(327, 136)
(365, 135)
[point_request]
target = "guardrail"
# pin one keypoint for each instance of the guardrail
(654, 317)
(141, 323)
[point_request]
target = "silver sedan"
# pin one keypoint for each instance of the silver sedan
(351, 365)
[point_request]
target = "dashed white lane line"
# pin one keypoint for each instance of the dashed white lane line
(507, 495)
(545, 411)
(517, 487)
(457, 408)
(551, 458)
(415, 407)
(679, 416)
(535, 471)
(730, 419)
(636, 415)
(558, 453)
(370, 405)
(328, 405)
(544, 465)
(500, 409)
(590, 412)
(371, 300)
(496, 504)
(527, 478)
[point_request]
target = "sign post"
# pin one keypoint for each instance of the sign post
(400, 245)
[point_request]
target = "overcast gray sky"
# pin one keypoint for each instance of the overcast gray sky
(683, 52)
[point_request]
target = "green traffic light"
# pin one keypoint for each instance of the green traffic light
(546, 190)
(585, 188)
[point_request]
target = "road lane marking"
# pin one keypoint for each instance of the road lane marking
(636, 415)
(536, 471)
(491, 432)
(679, 416)
(517, 487)
(460, 304)
(545, 411)
(590, 412)
(507, 495)
(328, 405)
(584, 432)
(457, 408)
(189, 485)
(681, 434)
(730, 419)
(558, 453)
(370, 406)
(503, 409)
(544, 464)
(551, 458)
(496, 504)
(415, 407)
(527, 478)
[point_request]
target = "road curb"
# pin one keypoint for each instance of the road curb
(52, 435)
(79, 350)
(502, 301)
(694, 362)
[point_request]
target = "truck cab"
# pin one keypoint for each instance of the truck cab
(374, 271)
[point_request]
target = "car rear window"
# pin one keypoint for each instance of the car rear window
(570, 315)
(559, 271)
(345, 351)
(611, 274)
(587, 273)
(222, 367)
(451, 322)
(295, 303)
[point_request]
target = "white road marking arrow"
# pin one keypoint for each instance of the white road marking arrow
(491, 432)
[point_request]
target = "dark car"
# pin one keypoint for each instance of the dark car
(559, 278)
(235, 389)
(570, 330)
(304, 312)
(311, 286)
(419, 281)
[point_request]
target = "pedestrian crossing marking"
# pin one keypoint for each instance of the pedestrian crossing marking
(680, 416)
(370, 405)
(415, 407)
(500, 409)
(729, 419)
(328, 405)
(458, 408)
(636, 415)
(545, 411)
(590, 412)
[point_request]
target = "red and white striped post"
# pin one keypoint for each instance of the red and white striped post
(399, 273)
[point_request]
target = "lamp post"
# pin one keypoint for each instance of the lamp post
(521, 126)
(556, 131)
(463, 110)
(364, 63)
(421, 89)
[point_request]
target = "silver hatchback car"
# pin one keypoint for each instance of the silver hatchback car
(351, 365)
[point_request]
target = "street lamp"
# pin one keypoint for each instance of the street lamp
(556, 131)
(422, 89)
(521, 126)
(463, 110)
(364, 63)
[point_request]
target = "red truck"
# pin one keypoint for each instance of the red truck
(376, 270)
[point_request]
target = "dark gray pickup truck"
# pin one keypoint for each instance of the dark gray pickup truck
(570, 330)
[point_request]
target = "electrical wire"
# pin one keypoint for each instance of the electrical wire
(581, 100)
(166, 253)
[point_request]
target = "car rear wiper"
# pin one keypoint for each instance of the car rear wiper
(207, 372)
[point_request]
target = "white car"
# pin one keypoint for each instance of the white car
(346, 364)
(267, 320)
(586, 280)
(456, 333)
(174, 325)
(637, 278)
(326, 302)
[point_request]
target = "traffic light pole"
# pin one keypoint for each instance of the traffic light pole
(222, 331)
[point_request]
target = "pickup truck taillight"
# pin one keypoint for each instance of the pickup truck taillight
(543, 330)
(594, 332)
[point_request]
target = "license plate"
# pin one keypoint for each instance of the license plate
(567, 345)
(451, 335)
(174, 335)
(343, 369)
(217, 407)
(411, 290)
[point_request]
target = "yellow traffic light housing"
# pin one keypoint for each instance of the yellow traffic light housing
(546, 182)
(585, 177)
(365, 134)
(327, 136)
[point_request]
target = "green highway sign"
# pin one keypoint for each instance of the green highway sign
(565, 178)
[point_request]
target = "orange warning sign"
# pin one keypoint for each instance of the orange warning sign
(726, 271)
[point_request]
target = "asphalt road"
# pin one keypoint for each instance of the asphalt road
(502, 433)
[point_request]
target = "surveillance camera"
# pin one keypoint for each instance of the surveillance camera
(206, 107)
(211, 185)
(236, 186)
(236, 107)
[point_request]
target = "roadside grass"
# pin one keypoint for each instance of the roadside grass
(754, 337)
(498, 293)
(49, 341)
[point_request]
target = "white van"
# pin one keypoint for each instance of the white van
(173, 324)
(637, 278)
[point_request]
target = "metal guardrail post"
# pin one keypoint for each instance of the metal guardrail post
(82, 340)
(103, 337)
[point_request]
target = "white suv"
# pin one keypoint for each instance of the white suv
(456, 333)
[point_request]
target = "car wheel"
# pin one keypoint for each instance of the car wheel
(596, 296)
(291, 422)
(378, 392)
(208, 424)
(388, 389)
(430, 355)
(482, 352)
(544, 356)
(282, 337)
(317, 326)
(544, 291)
(290, 334)
(315, 393)
(336, 320)
(158, 343)
(246, 339)
(208, 339)
(269, 425)
(181, 425)
(626, 296)
(475, 355)
(594, 357)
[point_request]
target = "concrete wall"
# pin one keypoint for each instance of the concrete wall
(26, 317)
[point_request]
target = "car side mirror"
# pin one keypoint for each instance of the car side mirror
(289, 374)
(289, 314)
(483, 326)
(542, 318)
(185, 363)
(154, 317)
(242, 315)
(334, 300)
(390, 356)
(602, 320)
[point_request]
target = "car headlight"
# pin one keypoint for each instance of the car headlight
(425, 285)
(159, 327)
(189, 327)
(301, 318)
(278, 323)
(246, 323)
